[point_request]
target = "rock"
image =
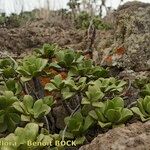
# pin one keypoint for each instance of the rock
(59, 114)
(132, 137)
(128, 45)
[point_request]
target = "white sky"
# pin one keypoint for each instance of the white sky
(11, 6)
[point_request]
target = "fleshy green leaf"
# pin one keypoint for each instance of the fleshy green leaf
(118, 102)
(68, 58)
(28, 102)
(87, 123)
(85, 101)
(66, 93)
(125, 115)
(113, 115)
(50, 87)
(97, 104)
(137, 111)
(93, 114)
(104, 125)
(80, 140)
(140, 106)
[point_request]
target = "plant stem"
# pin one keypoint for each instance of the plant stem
(47, 124)
(38, 87)
(132, 104)
(26, 88)
(23, 87)
(72, 114)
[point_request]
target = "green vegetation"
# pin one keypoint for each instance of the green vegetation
(25, 137)
(15, 20)
(111, 113)
(32, 87)
(33, 111)
(83, 21)
(9, 117)
(143, 108)
(31, 67)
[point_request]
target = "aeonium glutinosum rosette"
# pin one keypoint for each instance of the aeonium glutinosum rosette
(23, 139)
(7, 68)
(145, 90)
(47, 51)
(86, 68)
(93, 96)
(111, 113)
(72, 87)
(33, 111)
(9, 117)
(8, 76)
(77, 126)
(143, 108)
(68, 87)
(66, 59)
(14, 86)
(31, 67)
(111, 85)
(99, 89)
(55, 85)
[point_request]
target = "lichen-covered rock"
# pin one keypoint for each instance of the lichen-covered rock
(128, 46)
(132, 137)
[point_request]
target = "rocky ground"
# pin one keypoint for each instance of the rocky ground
(132, 137)
(128, 45)
(125, 49)
(22, 40)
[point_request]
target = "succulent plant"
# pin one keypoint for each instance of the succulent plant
(143, 108)
(14, 86)
(27, 138)
(87, 69)
(110, 85)
(31, 67)
(33, 110)
(77, 126)
(111, 113)
(7, 68)
(9, 117)
(93, 96)
(55, 84)
(67, 59)
(47, 51)
(146, 90)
